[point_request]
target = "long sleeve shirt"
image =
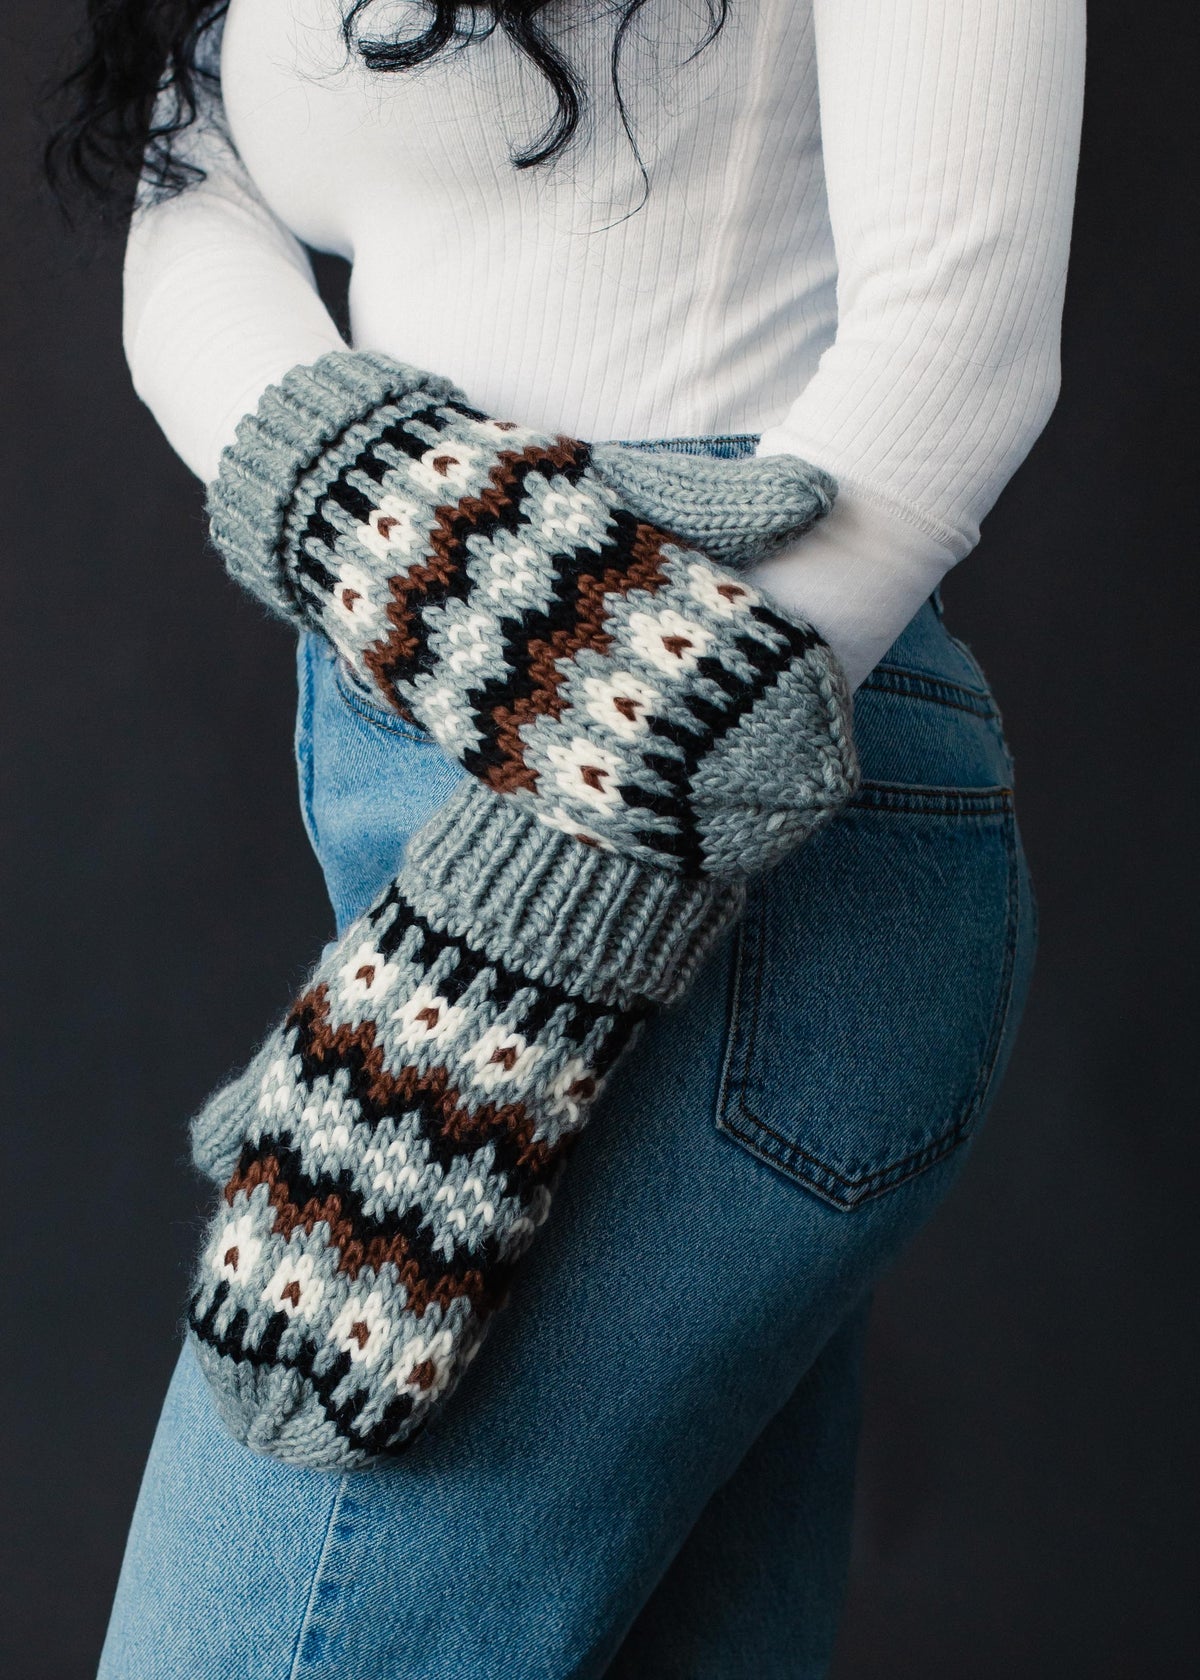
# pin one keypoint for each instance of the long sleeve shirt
(853, 242)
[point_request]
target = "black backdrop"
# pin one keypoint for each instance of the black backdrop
(1028, 1461)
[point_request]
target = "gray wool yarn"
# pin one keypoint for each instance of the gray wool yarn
(391, 1150)
(735, 512)
(642, 730)
(490, 583)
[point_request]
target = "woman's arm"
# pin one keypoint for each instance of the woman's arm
(951, 140)
(219, 297)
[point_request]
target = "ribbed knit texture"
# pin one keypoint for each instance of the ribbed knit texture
(391, 1150)
(589, 920)
(642, 732)
(878, 189)
(312, 408)
(491, 583)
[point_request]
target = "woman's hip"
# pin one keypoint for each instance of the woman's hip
(879, 972)
(757, 1160)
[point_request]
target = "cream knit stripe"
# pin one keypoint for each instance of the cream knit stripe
(390, 1151)
(492, 584)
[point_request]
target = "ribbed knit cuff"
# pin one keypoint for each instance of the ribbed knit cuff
(311, 410)
(555, 909)
(736, 512)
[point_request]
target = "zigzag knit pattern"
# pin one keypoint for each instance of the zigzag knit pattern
(493, 587)
(643, 732)
(393, 1147)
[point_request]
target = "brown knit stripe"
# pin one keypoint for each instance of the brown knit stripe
(452, 525)
(430, 1092)
(644, 571)
(353, 1252)
(401, 643)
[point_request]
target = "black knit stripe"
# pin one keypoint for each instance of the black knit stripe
(573, 569)
(418, 1100)
(584, 1015)
(311, 580)
(409, 1094)
(716, 721)
(612, 1046)
(231, 1344)
(671, 803)
(801, 639)
(290, 553)
(319, 531)
(473, 521)
(409, 1225)
(399, 435)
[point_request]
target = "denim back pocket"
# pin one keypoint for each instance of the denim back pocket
(875, 972)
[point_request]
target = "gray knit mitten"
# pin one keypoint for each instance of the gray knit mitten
(643, 732)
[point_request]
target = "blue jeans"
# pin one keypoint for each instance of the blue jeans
(619, 1487)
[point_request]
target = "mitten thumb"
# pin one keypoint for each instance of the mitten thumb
(737, 512)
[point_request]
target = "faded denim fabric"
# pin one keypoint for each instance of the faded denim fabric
(618, 1488)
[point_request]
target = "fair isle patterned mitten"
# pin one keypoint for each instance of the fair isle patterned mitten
(493, 586)
(643, 732)
(393, 1146)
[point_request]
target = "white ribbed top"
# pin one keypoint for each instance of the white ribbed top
(855, 242)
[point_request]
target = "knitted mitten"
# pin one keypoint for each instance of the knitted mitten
(493, 587)
(391, 1149)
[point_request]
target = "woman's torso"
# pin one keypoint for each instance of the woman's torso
(554, 292)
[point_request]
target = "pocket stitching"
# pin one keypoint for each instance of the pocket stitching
(939, 691)
(370, 713)
(916, 799)
(894, 1173)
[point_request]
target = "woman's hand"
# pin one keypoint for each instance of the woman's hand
(491, 583)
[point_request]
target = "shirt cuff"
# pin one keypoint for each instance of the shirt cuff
(858, 576)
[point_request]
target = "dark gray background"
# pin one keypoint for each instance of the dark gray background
(1027, 1476)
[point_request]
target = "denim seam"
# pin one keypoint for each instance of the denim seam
(913, 799)
(377, 716)
(894, 1173)
(306, 1620)
(736, 985)
(898, 679)
(1012, 916)
(996, 717)
(305, 754)
(969, 657)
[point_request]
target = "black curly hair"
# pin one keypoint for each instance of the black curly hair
(132, 50)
